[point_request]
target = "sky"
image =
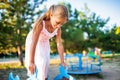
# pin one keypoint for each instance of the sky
(103, 8)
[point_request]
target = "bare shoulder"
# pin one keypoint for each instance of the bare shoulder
(38, 26)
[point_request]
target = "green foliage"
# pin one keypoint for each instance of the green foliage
(15, 23)
(85, 21)
(88, 22)
(18, 17)
(112, 40)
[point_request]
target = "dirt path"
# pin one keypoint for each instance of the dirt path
(111, 70)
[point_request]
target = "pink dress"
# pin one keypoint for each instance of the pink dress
(42, 52)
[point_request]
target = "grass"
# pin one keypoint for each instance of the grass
(10, 65)
(110, 55)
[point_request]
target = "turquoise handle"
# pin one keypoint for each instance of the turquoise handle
(11, 77)
(63, 73)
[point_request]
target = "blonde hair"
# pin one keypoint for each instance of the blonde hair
(61, 10)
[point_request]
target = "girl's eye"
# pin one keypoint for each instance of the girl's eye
(57, 22)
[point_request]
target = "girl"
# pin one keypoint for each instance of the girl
(37, 53)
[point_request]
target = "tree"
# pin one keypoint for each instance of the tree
(72, 34)
(81, 22)
(111, 40)
(93, 25)
(17, 18)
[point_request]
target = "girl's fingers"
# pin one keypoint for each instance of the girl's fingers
(32, 68)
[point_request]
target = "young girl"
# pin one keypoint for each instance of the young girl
(37, 55)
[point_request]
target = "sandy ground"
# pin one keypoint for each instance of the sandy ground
(110, 71)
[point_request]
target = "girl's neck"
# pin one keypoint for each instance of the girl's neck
(48, 26)
(48, 23)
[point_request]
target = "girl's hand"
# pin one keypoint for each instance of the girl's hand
(32, 68)
(64, 65)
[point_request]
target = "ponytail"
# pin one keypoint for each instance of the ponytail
(46, 16)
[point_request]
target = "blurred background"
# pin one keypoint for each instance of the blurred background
(92, 23)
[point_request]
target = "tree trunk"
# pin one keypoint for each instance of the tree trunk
(19, 47)
(20, 55)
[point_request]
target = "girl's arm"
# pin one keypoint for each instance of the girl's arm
(60, 47)
(35, 37)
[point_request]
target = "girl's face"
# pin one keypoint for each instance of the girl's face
(57, 22)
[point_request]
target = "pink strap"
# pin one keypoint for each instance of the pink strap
(43, 24)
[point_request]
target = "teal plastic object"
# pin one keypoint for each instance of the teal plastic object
(11, 77)
(63, 74)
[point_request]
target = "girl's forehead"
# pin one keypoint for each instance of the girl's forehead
(59, 19)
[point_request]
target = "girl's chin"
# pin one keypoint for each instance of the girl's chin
(54, 27)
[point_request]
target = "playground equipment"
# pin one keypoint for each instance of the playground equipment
(11, 77)
(79, 64)
(31, 77)
(63, 74)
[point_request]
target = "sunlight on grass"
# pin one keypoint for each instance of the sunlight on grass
(10, 65)
(52, 62)
(110, 55)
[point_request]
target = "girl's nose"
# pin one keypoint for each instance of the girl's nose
(58, 26)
